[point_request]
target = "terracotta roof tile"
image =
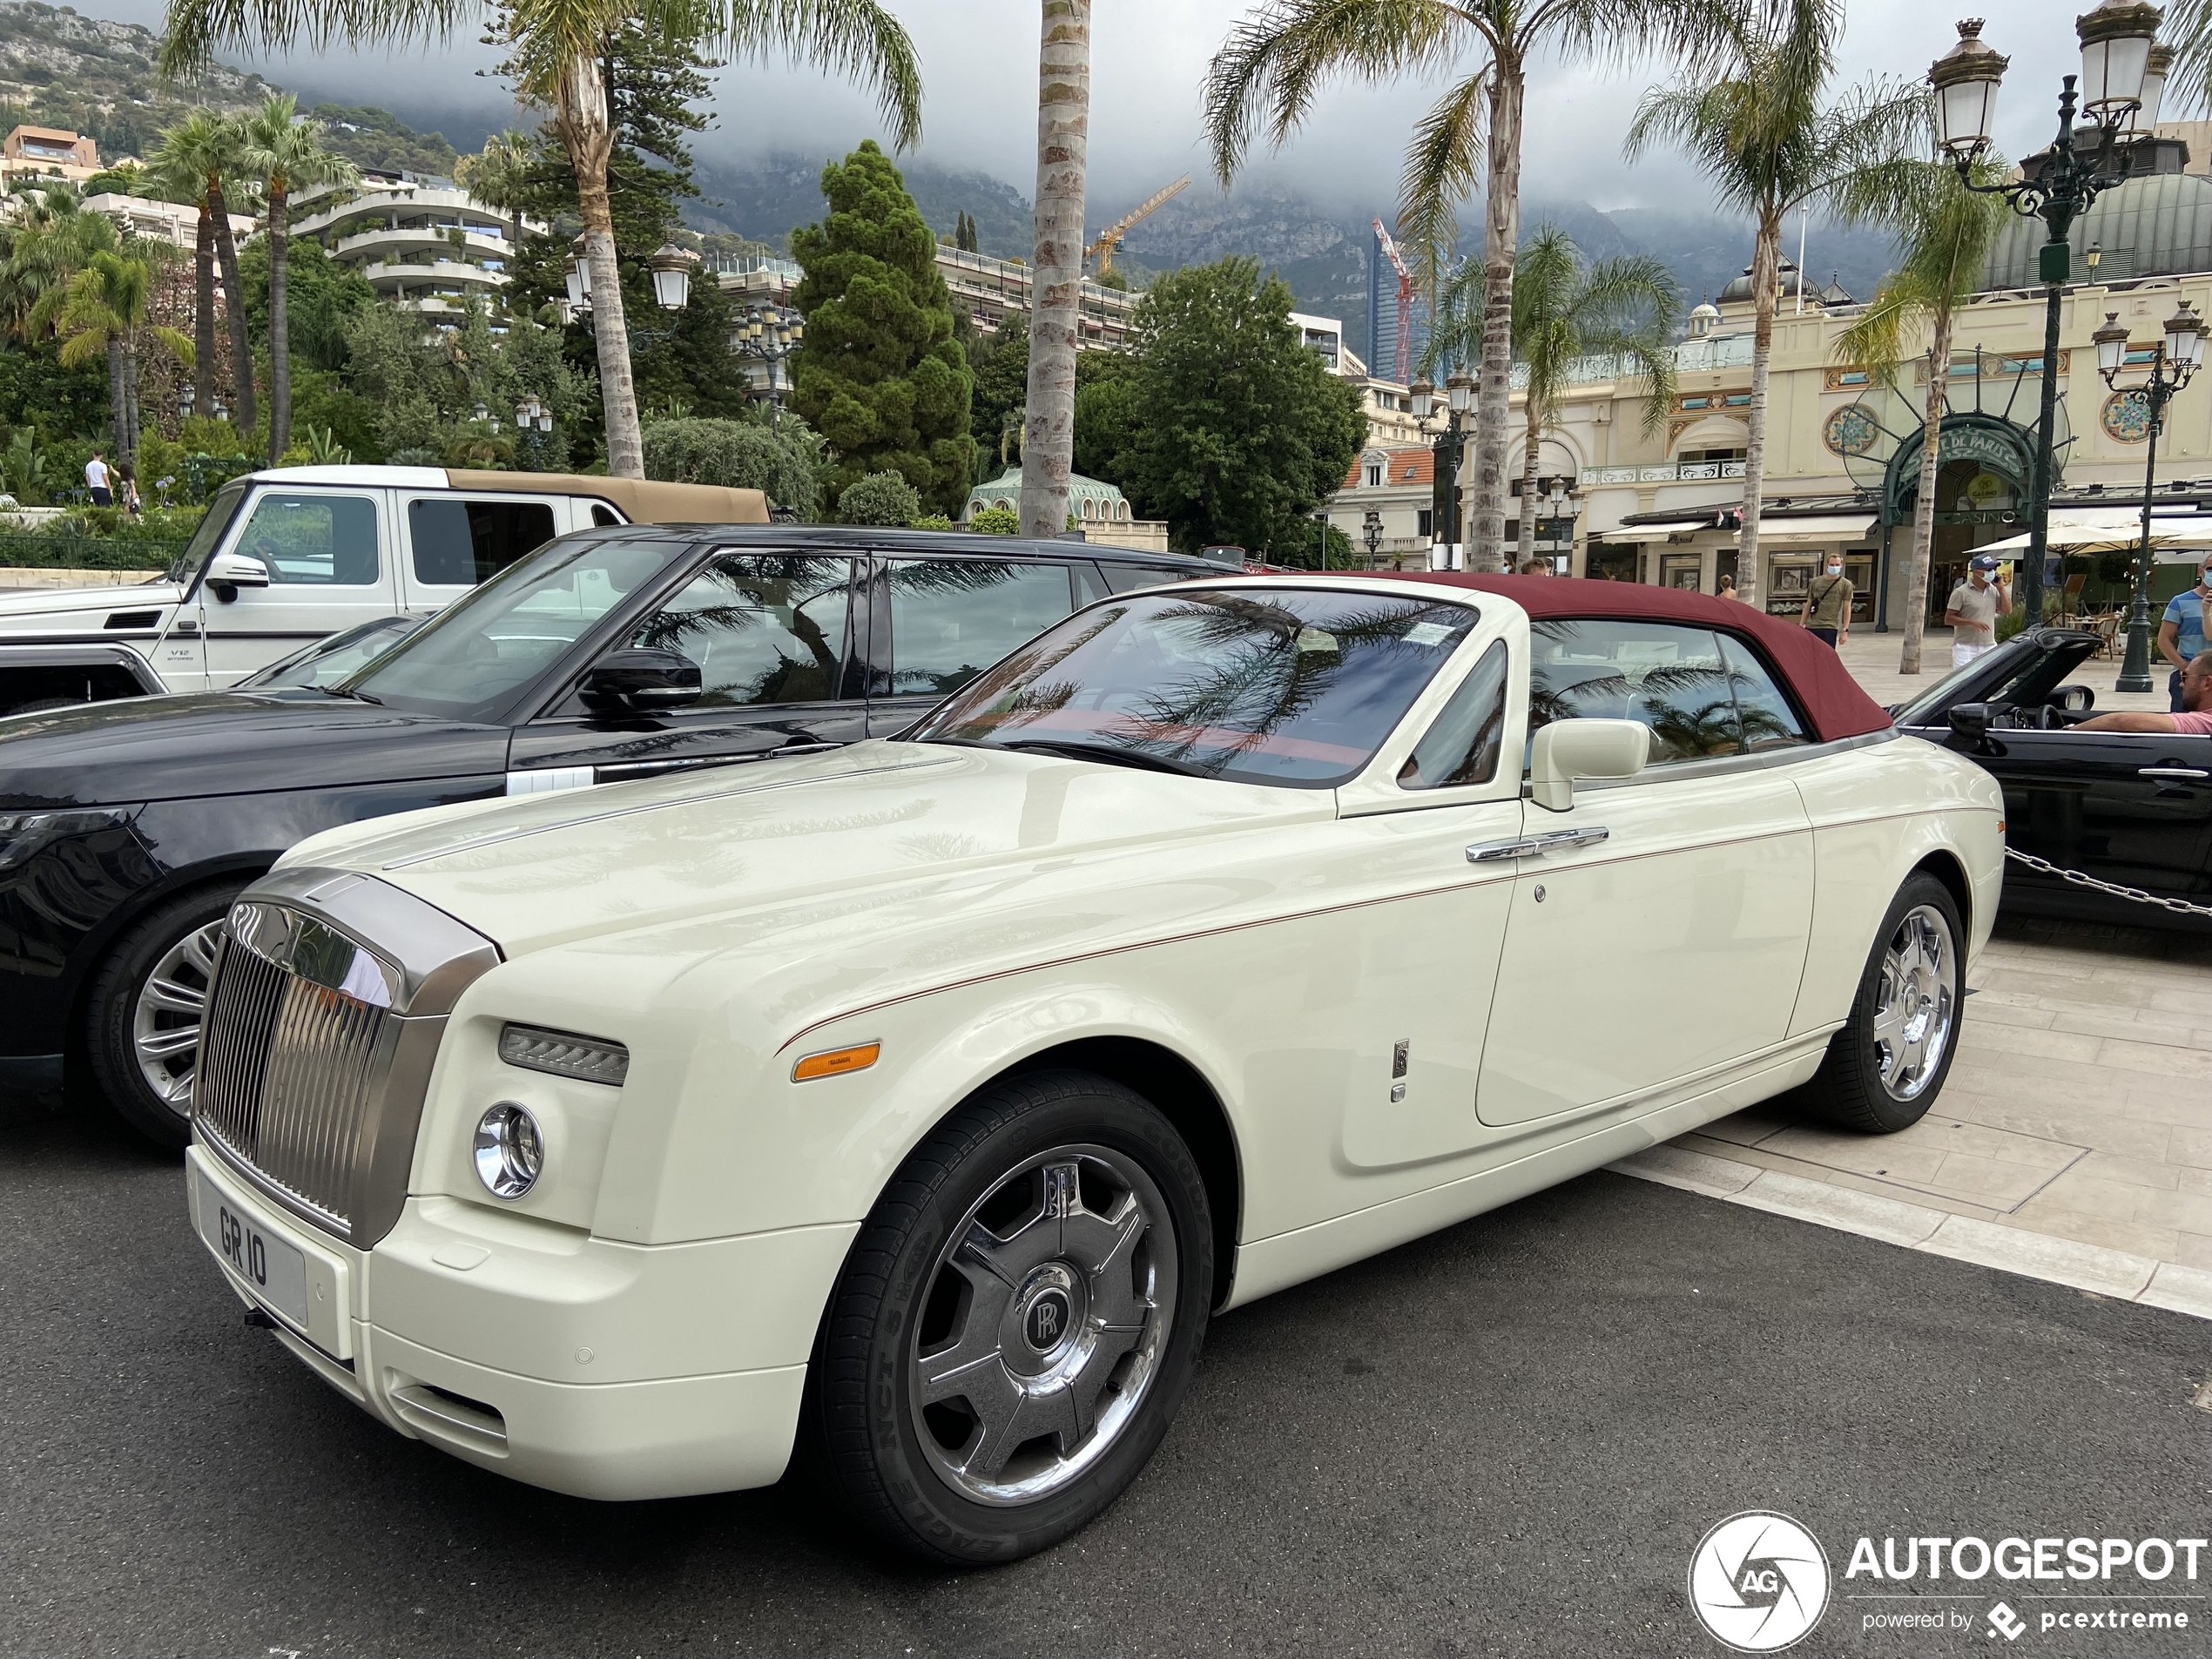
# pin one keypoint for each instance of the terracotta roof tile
(1403, 467)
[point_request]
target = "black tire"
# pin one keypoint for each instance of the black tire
(112, 1008)
(1867, 1081)
(900, 1299)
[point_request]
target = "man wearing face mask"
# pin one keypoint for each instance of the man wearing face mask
(2181, 634)
(1972, 610)
(1826, 611)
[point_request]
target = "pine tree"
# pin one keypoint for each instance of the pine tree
(881, 377)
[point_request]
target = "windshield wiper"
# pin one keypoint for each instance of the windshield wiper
(1106, 753)
(357, 697)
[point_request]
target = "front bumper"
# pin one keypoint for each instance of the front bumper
(584, 1367)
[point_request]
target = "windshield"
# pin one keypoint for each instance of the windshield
(468, 660)
(213, 523)
(2029, 674)
(1258, 685)
(328, 661)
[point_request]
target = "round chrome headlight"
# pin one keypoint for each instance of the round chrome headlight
(508, 1152)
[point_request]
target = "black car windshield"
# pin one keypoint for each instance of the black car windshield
(2027, 671)
(1259, 685)
(213, 523)
(469, 662)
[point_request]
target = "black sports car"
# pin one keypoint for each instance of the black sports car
(2132, 808)
(126, 828)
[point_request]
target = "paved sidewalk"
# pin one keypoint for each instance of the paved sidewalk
(1872, 659)
(2072, 1140)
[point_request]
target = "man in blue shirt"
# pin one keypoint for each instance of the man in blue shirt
(2181, 635)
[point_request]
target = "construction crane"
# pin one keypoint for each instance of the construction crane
(1405, 301)
(1110, 237)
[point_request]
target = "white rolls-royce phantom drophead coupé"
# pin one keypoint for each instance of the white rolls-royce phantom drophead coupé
(911, 1107)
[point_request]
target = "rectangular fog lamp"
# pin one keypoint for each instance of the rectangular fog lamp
(562, 1053)
(836, 1062)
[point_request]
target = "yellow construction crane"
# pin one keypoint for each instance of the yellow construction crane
(1110, 237)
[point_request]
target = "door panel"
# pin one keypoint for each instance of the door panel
(771, 635)
(327, 553)
(2082, 801)
(1674, 945)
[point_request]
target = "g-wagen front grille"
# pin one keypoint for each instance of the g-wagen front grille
(329, 1001)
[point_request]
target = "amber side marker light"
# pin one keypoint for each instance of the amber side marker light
(836, 1062)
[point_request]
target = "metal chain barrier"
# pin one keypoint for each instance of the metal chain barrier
(2179, 906)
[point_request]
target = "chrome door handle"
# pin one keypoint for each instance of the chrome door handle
(2195, 774)
(1534, 846)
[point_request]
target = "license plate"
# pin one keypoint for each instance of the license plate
(275, 1273)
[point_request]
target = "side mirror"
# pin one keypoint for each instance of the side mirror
(228, 572)
(1567, 750)
(642, 682)
(1970, 720)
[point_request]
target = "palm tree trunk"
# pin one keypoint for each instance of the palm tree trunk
(279, 320)
(202, 320)
(1916, 576)
(1765, 256)
(118, 410)
(1532, 452)
(1501, 236)
(580, 117)
(1056, 315)
(130, 401)
(234, 307)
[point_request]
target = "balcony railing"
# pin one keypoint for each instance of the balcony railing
(1670, 472)
(1692, 356)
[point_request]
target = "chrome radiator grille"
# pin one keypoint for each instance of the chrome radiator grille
(289, 1076)
(316, 1056)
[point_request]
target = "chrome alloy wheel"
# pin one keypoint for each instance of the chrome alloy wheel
(1917, 1004)
(172, 1007)
(1043, 1324)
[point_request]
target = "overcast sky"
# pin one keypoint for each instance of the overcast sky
(979, 61)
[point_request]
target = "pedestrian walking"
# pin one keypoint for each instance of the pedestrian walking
(1536, 567)
(96, 477)
(126, 491)
(1826, 612)
(1728, 591)
(1972, 610)
(2182, 631)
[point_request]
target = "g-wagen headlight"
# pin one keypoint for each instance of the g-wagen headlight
(510, 1152)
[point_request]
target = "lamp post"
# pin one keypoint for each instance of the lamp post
(1371, 533)
(771, 333)
(2172, 363)
(1445, 451)
(534, 420)
(2116, 85)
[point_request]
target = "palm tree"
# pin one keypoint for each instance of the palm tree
(104, 309)
(50, 239)
(557, 56)
(1063, 143)
(1267, 76)
(1760, 135)
(178, 167)
(1947, 232)
(498, 176)
(1562, 310)
(284, 152)
(211, 149)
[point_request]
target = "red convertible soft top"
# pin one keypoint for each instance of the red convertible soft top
(1823, 687)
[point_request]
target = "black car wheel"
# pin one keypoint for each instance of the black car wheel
(147, 1003)
(1017, 1322)
(1884, 1068)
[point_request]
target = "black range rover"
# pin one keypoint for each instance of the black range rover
(126, 828)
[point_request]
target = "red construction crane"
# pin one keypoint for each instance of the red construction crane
(1405, 302)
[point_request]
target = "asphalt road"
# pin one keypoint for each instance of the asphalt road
(1504, 1440)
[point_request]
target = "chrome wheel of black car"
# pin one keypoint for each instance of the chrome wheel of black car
(1043, 1324)
(1016, 1323)
(146, 1004)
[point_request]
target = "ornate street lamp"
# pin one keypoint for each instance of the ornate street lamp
(2173, 361)
(534, 420)
(772, 335)
(577, 274)
(1371, 533)
(1444, 453)
(673, 267)
(2117, 40)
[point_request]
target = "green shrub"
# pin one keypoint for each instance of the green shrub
(997, 520)
(25, 550)
(880, 498)
(931, 522)
(785, 461)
